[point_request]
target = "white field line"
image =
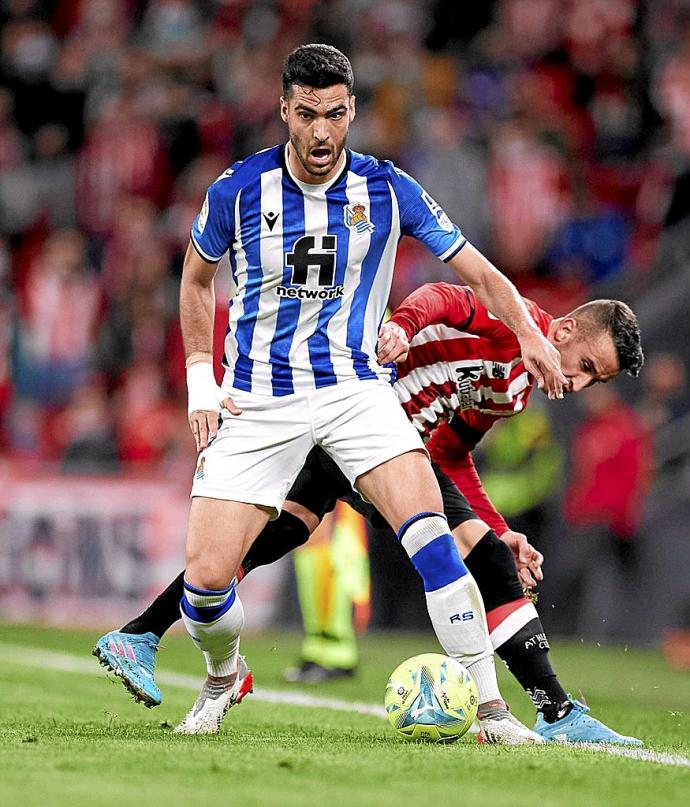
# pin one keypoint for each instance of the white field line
(64, 662)
(644, 754)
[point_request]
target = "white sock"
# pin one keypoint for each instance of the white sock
(214, 620)
(483, 673)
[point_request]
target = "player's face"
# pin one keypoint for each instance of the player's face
(318, 122)
(587, 356)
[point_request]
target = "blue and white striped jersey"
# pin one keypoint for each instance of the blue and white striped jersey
(312, 265)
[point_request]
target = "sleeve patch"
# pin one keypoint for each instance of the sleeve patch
(438, 212)
(203, 216)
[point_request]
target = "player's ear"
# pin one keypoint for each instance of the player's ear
(283, 108)
(565, 329)
(353, 110)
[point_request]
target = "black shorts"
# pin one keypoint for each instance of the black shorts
(321, 483)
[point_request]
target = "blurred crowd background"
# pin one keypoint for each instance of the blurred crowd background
(556, 133)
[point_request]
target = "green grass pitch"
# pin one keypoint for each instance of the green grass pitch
(76, 738)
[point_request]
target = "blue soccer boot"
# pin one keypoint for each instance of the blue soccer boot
(579, 727)
(132, 657)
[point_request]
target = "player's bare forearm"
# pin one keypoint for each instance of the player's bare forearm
(197, 306)
(493, 289)
(499, 295)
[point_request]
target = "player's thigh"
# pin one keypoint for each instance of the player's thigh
(257, 455)
(219, 533)
(401, 487)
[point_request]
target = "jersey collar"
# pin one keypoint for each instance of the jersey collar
(321, 188)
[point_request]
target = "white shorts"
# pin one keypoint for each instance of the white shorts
(257, 455)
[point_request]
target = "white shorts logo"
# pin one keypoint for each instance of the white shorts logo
(203, 216)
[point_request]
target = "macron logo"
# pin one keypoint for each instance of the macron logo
(271, 219)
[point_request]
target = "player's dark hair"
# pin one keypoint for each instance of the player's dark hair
(618, 320)
(318, 66)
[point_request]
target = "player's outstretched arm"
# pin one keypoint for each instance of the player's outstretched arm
(197, 306)
(500, 296)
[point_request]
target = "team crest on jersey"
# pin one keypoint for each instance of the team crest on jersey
(356, 218)
(200, 473)
(203, 216)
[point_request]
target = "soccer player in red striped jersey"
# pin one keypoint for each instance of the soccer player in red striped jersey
(463, 373)
(459, 371)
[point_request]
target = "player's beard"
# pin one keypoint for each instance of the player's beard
(318, 160)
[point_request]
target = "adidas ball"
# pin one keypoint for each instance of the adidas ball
(432, 698)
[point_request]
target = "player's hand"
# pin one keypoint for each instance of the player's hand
(527, 559)
(204, 422)
(205, 401)
(543, 361)
(393, 343)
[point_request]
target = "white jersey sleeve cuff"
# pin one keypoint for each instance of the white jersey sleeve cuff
(454, 249)
(204, 255)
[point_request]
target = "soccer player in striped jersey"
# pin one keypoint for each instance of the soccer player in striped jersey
(311, 230)
(460, 370)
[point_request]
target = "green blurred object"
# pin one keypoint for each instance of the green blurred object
(521, 464)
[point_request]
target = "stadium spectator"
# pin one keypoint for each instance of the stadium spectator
(612, 460)
(664, 397)
(85, 435)
(59, 310)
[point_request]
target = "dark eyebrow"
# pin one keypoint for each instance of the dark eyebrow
(303, 107)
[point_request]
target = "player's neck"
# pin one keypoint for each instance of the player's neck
(298, 172)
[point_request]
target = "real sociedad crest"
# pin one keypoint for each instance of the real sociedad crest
(356, 218)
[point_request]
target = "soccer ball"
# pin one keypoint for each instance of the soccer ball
(432, 698)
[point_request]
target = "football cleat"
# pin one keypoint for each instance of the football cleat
(132, 657)
(579, 727)
(500, 727)
(216, 697)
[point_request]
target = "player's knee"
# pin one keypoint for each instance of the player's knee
(206, 575)
(299, 513)
(492, 565)
(468, 534)
(427, 540)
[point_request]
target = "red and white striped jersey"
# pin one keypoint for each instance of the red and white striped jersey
(462, 360)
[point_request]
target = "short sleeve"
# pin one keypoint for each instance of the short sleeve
(213, 230)
(424, 219)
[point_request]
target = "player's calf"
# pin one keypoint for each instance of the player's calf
(515, 629)
(520, 640)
